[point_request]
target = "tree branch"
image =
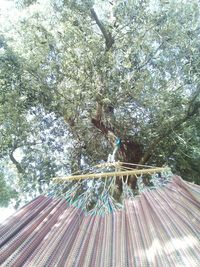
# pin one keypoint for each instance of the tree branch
(193, 107)
(150, 57)
(109, 41)
(15, 162)
(13, 159)
(105, 128)
(191, 113)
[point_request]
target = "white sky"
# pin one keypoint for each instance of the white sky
(5, 212)
(5, 12)
(5, 4)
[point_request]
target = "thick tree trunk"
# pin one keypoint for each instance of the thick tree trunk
(129, 151)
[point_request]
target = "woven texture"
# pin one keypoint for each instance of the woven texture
(159, 228)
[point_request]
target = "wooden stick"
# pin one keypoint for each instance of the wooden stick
(110, 174)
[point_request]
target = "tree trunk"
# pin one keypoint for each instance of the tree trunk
(129, 151)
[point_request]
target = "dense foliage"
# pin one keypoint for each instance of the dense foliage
(76, 75)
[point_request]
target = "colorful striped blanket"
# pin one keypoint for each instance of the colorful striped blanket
(159, 228)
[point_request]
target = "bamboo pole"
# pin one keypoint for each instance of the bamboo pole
(110, 174)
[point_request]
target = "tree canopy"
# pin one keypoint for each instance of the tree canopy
(77, 75)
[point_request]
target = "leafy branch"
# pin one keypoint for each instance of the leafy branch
(192, 111)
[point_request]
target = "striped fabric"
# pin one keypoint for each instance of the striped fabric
(159, 228)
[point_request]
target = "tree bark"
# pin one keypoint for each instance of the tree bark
(16, 163)
(109, 41)
(129, 151)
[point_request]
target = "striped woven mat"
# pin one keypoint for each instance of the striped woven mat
(159, 228)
